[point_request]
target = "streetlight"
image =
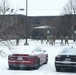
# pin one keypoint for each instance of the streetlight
(26, 43)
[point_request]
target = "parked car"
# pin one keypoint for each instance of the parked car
(27, 57)
(66, 60)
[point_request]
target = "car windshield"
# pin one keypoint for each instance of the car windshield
(38, 49)
(69, 51)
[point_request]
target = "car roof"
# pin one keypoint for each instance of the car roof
(70, 51)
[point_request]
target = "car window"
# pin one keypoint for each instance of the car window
(38, 50)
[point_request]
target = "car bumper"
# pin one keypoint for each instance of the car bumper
(20, 64)
(65, 64)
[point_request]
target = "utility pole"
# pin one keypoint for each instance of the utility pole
(26, 43)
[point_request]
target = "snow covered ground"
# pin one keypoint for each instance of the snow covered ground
(47, 69)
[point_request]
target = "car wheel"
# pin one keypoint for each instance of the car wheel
(58, 69)
(13, 68)
(10, 67)
(38, 64)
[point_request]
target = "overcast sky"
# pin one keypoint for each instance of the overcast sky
(39, 7)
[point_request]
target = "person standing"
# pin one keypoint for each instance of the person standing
(61, 38)
(48, 39)
(54, 38)
(37, 38)
(51, 40)
(17, 40)
(42, 39)
(66, 40)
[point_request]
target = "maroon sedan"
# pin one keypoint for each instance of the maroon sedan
(27, 57)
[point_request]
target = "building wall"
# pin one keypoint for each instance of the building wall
(13, 26)
(64, 25)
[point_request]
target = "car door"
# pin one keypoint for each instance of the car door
(43, 56)
(39, 53)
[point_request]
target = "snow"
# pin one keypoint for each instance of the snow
(42, 27)
(46, 69)
(24, 49)
(67, 51)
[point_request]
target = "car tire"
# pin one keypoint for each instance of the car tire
(38, 64)
(58, 69)
(11, 68)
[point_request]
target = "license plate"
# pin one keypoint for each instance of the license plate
(19, 58)
(67, 59)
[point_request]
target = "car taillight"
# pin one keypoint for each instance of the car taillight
(58, 58)
(10, 57)
(28, 58)
(20, 54)
(74, 59)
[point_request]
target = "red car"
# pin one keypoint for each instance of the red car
(27, 57)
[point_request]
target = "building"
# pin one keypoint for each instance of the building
(13, 26)
(64, 25)
(40, 31)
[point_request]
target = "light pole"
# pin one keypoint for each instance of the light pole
(26, 43)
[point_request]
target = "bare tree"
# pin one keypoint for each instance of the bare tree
(4, 8)
(70, 7)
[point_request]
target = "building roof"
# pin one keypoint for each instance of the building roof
(43, 27)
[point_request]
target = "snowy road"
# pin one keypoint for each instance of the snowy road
(47, 69)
